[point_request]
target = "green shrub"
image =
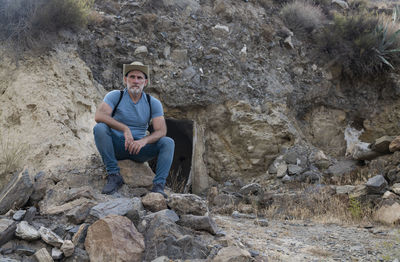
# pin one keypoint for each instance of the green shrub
(362, 44)
(26, 24)
(302, 17)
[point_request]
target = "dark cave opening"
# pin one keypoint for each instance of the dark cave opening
(181, 131)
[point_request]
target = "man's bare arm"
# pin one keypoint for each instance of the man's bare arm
(103, 115)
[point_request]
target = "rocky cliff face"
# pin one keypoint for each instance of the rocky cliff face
(47, 107)
(221, 64)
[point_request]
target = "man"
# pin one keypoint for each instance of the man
(120, 132)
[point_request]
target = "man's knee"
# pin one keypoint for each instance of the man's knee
(100, 128)
(167, 142)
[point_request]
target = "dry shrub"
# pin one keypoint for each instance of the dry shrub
(302, 17)
(363, 44)
(27, 24)
(11, 155)
(322, 206)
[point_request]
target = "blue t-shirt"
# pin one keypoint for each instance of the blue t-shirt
(135, 116)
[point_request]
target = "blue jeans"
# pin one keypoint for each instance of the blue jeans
(111, 147)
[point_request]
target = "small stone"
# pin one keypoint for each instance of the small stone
(4, 224)
(346, 189)
(26, 231)
(141, 50)
(288, 42)
(68, 248)
(154, 202)
(43, 256)
(56, 253)
(23, 250)
(294, 169)
(261, 222)
(281, 170)
(341, 3)
(19, 215)
(179, 55)
(50, 237)
(396, 188)
(382, 144)
(395, 144)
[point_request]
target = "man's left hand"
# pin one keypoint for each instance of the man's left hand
(135, 146)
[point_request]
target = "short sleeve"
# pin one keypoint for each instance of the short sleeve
(156, 108)
(112, 98)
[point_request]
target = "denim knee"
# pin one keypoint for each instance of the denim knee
(100, 128)
(167, 142)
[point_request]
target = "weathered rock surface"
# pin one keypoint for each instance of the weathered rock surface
(43, 255)
(395, 144)
(165, 238)
(233, 254)
(205, 223)
(382, 144)
(187, 204)
(388, 214)
(154, 202)
(136, 174)
(50, 237)
(117, 206)
(114, 238)
(17, 192)
(67, 248)
(377, 185)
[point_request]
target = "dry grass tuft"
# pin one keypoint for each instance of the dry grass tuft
(11, 155)
(322, 206)
(302, 17)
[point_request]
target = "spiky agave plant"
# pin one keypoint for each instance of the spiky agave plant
(389, 46)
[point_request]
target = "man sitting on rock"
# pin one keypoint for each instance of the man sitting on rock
(120, 133)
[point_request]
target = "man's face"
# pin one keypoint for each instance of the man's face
(135, 82)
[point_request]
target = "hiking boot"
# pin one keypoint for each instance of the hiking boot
(159, 188)
(114, 182)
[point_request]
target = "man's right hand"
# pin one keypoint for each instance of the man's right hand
(128, 139)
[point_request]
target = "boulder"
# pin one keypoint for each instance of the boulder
(382, 144)
(154, 202)
(395, 144)
(233, 254)
(187, 204)
(26, 231)
(7, 230)
(165, 238)
(118, 206)
(388, 214)
(204, 223)
(114, 238)
(17, 192)
(136, 174)
(376, 185)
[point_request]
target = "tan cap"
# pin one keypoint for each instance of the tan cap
(137, 66)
